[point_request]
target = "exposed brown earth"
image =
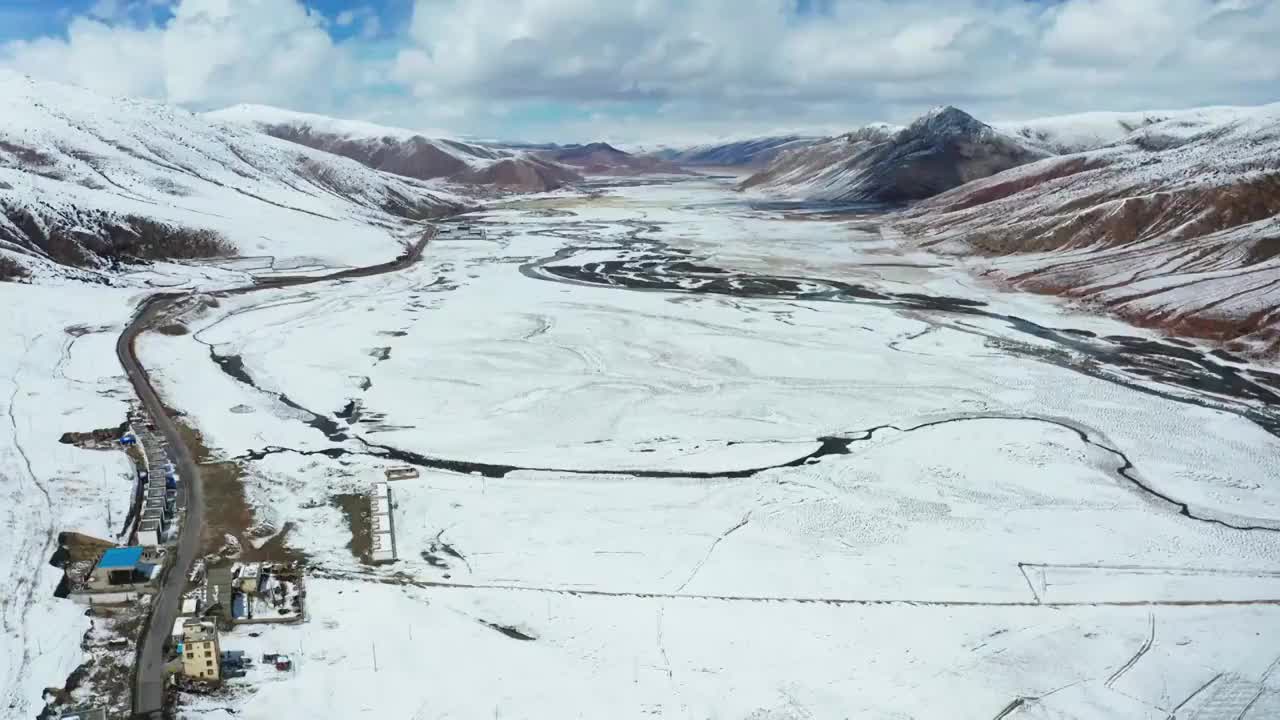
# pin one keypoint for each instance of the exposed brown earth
(228, 512)
(83, 547)
(355, 508)
(12, 270)
(94, 238)
(94, 439)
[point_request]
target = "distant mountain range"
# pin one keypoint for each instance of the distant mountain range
(604, 159)
(750, 152)
(405, 152)
(1166, 218)
(1171, 219)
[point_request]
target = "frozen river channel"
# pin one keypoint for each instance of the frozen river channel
(684, 457)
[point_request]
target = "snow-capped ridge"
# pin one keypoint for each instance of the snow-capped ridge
(403, 152)
(83, 175)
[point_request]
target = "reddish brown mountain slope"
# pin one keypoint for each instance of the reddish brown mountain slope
(1175, 226)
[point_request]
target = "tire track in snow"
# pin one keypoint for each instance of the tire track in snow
(406, 580)
(1173, 714)
(745, 519)
(1142, 650)
(26, 583)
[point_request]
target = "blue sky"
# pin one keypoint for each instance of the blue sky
(654, 70)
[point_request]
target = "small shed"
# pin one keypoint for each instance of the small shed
(154, 515)
(401, 473)
(149, 533)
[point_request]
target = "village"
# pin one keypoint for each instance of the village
(116, 582)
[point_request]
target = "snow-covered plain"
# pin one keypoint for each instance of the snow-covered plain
(629, 529)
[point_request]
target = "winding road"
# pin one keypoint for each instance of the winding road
(149, 676)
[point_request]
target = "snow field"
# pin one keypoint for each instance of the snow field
(53, 382)
(428, 653)
(993, 511)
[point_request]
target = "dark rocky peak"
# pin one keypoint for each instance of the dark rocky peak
(947, 120)
(595, 149)
(601, 147)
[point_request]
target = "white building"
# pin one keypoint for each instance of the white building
(382, 526)
(149, 533)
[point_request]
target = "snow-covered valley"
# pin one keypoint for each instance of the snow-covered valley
(534, 360)
(682, 457)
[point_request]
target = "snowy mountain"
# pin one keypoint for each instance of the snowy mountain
(1174, 225)
(821, 163)
(600, 158)
(404, 152)
(86, 179)
(749, 152)
(944, 148)
(1064, 134)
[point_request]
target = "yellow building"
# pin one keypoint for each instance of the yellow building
(200, 652)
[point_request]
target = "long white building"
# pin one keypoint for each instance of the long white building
(381, 525)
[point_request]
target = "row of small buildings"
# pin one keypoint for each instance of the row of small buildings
(122, 574)
(157, 479)
(462, 231)
(382, 528)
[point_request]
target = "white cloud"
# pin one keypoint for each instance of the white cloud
(867, 58)
(363, 18)
(634, 66)
(113, 59)
(210, 52)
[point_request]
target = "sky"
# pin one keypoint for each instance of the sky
(654, 71)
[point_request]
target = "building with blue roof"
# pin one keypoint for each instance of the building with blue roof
(121, 566)
(121, 557)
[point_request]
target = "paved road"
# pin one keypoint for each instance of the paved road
(149, 678)
(148, 695)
